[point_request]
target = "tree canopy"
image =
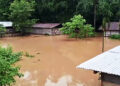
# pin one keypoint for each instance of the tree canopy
(77, 28)
(63, 10)
(21, 12)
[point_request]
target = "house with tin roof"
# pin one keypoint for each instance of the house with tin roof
(107, 65)
(111, 28)
(8, 25)
(46, 28)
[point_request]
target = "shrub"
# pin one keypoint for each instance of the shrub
(78, 28)
(28, 55)
(8, 55)
(7, 69)
(2, 31)
(115, 36)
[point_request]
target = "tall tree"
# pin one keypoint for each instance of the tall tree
(95, 11)
(21, 11)
(4, 9)
(55, 10)
(63, 10)
(86, 8)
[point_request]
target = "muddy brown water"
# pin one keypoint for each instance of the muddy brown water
(56, 58)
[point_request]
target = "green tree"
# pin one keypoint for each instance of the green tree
(55, 10)
(86, 8)
(4, 9)
(2, 31)
(8, 71)
(62, 10)
(21, 12)
(78, 28)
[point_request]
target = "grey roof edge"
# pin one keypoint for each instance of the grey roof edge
(78, 67)
(83, 67)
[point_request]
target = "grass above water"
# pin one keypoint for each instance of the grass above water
(115, 36)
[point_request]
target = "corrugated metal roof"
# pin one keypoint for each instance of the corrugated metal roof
(6, 23)
(46, 25)
(113, 26)
(107, 62)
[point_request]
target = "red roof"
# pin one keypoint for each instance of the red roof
(113, 26)
(46, 25)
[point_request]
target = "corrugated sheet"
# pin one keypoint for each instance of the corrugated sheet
(107, 62)
(113, 26)
(6, 24)
(46, 25)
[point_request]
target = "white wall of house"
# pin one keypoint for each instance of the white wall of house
(109, 33)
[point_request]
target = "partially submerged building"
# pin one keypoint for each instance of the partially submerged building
(111, 28)
(8, 25)
(39, 28)
(46, 28)
(108, 65)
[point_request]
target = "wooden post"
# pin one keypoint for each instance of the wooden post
(103, 41)
(101, 83)
(104, 29)
(101, 77)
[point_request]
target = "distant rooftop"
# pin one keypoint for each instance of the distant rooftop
(6, 23)
(107, 62)
(113, 26)
(46, 25)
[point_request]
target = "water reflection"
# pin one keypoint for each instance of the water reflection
(28, 78)
(63, 81)
(5, 45)
(66, 80)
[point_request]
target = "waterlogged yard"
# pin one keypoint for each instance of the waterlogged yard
(55, 59)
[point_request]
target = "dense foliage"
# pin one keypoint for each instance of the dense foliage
(63, 10)
(2, 31)
(21, 12)
(115, 37)
(78, 28)
(7, 69)
(4, 9)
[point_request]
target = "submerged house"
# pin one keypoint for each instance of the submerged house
(8, 25)
(108, 65)
(46, 28)
(111, 28)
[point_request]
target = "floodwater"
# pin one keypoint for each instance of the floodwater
(56, 58)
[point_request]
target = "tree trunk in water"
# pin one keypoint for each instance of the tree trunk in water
(103, 42)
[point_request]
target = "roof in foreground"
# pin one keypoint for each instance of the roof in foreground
(107, 62)
(46, 25)
(6, 23)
